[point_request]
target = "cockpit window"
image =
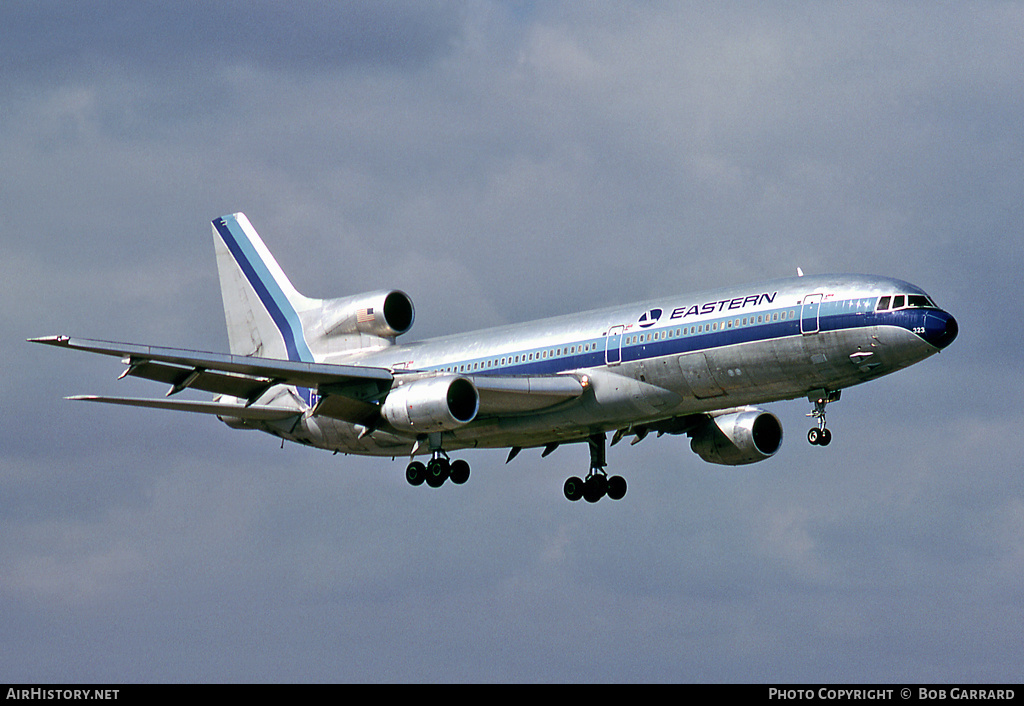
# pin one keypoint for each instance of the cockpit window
(898, 301)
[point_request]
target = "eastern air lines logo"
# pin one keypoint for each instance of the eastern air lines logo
(649, 318)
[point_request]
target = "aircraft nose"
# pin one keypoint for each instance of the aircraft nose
(940, 329)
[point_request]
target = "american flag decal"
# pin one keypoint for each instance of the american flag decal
(364, 315)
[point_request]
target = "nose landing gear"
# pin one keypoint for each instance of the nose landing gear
(821, 436)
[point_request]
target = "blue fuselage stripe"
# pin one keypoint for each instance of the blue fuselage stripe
(267, 289)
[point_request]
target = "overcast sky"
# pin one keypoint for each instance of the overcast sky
(502, 162)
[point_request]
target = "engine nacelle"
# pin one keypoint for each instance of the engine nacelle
(431, 404)
(385, 314)
(736, 438)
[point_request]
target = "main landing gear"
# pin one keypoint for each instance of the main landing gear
(597, 484)
(820, 436)
(437, 470)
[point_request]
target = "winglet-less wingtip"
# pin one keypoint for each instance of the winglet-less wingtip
(59, 340)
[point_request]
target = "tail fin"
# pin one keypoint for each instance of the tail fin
(261, 307)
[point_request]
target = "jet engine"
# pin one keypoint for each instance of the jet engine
(385, 314)
(735, 438)
(431, 404)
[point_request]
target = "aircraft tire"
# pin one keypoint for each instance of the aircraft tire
(573, 488)
(616, 487)
(459, 472)
(594, 489)
(415, 473)
(814, 436)
(826, 438)
(437, 472)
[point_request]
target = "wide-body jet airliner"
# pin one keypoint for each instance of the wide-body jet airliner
(330, 373)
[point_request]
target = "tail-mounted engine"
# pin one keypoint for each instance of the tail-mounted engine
(736, 438)
(431, 404)
(384, 314)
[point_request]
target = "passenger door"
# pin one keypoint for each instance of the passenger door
(809, 313)
(613, 345)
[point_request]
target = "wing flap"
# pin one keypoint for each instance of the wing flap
(260, 413)
(179, 378)
(347, 409)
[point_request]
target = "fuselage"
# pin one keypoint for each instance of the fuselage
(671, 357)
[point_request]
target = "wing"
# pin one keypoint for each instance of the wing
(246, 377)
(350, 393)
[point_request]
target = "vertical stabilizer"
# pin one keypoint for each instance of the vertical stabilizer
(261, 306)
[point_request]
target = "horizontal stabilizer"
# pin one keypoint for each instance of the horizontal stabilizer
(237, 411)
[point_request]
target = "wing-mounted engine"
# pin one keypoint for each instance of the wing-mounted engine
(737, 437)
(365, 320)
(431, 404)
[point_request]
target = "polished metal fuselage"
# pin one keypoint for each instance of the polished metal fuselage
(659, 359)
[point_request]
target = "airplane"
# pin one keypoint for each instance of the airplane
(330, 373)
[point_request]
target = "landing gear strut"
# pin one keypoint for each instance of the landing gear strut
(597, 483)
(820, 436)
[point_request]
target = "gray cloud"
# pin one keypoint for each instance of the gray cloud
(58, 41)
